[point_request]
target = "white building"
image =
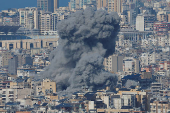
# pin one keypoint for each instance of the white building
(140, 23)
(131, 65)
(8, 95)
(124, 100)
(147, 58)
(28, 17)
(144, 22)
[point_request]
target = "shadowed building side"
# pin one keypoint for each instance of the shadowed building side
(6, 29)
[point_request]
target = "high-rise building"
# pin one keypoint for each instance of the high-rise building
(5, 57)
(48, 22)
(118, 6)
(102, 4)
(56, 4)
(140, 23)
(12, 65)
(45, 22)
(110, 6)
(131, 17)
(137, 66)
(78, 4)
(28, 17)
(47, 5)
(145, 22)
(114, 63)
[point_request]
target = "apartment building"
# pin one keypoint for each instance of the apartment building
(161, 106)
(56, 5)
(110, 6)
(118, 6)
(28, 17)
(114, 63)
(78, 4)
(156, 87)
(131, 65)
(47, 5)
(5, 57)
(8, 95)
(102, 4)
(144, 22)
(48, 23)
(147, 58)
(135, 98)
(12, 65)
(163, 16)
(161, 28)
(46, 87)
(45, 22)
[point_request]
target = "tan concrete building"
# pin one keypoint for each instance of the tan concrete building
(102, 4)
(162, 17)
(45, 22)
(114, 63)
(118, 6)
(168, 17)
(159, 106)
(5, 57)
(24, 84)
(29, 43)
(52, 97)
(47, 87)
(56, 4)
(23, 93)
(110, 6)
(48, 22)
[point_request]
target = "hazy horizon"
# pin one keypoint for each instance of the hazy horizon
(24, 3)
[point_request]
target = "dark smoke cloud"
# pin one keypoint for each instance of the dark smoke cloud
(86, 37)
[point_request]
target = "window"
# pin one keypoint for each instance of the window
(4, 92)
(11, 92)
(159, 107)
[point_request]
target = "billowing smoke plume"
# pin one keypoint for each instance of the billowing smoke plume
(86, 37)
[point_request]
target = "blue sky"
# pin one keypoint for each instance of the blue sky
(5, 4)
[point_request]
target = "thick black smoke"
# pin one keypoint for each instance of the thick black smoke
(86, 37)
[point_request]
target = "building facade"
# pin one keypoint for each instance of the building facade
(46, 5)
(114, 63)
(12, 65)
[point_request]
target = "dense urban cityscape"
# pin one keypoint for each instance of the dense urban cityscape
(140, 64)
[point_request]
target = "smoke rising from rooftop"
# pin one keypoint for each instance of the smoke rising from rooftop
(86, 37)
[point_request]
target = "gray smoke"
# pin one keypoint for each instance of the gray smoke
(130, 83)
(86, 37)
